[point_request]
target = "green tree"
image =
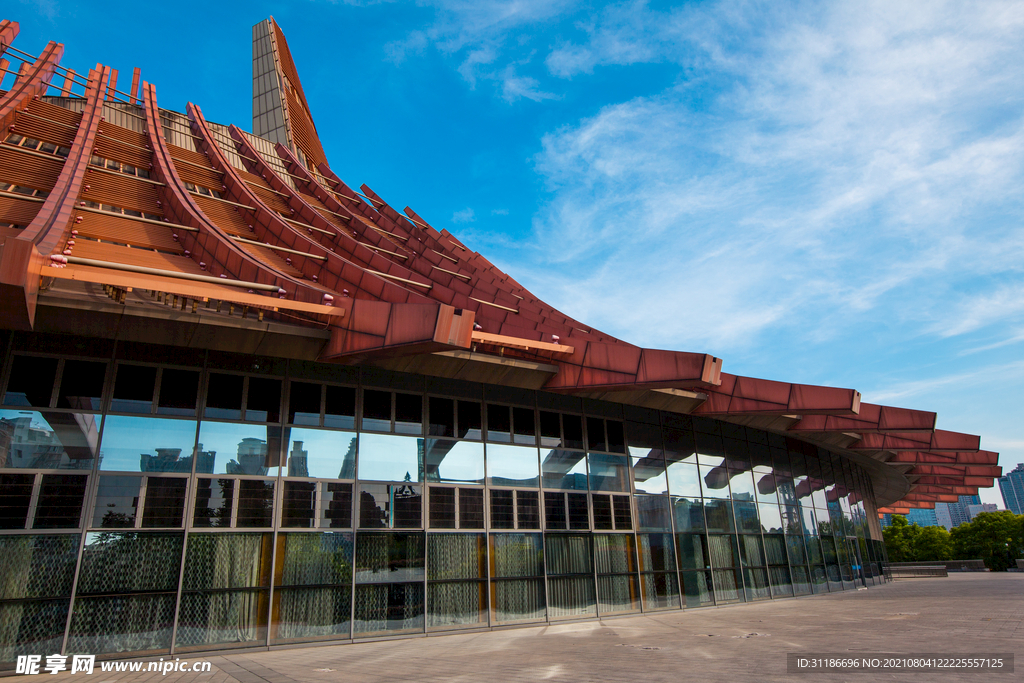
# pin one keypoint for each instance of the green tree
(995, 537)
(932, 544)
(900, 538)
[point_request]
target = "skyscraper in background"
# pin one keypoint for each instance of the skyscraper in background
(1011, 485)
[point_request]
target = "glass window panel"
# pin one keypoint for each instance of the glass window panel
(616, 437)
(165, 502)
(697, 587)
(550, 430)
(649, 474)
(499, 423)
(255, 503)
(516, 555)
(298, 507)
(65, 441)
(408, 506)
(470, 426)
(595, 434)
(568, 554)
(454, 461)
(471, 508)
(389, 557)
(554, 511)
(718, 515)
(228, 448)
(321, 453)
(746, 517)
(512, 465)
(36, 566)
(765, 485)
(722, 550)
(602, 512)
(689, 514)
(572, 431)
(710, 449)
(374, 506)
(335, 505)
(442, 416)
(528, 509)
(388, 608)
(657, 552)
(304, 404)
(693, 551)
(578, 513)
(263, 402)
(755, 582)
(502, 510)
(564, 470)
(124, 562)
(751, 550)
(623, 513)
(684, 479)
(81, 385)
(14, 503)
(60, 501)
(408, 414)
(385, 457)
(217, 561)
(771, 519)
(147, 444)
(456, 556)
(741, 484)
(679, 446)
(179, 390)
(456, 604)
(608, 472)
(340, 407)
(31, 381)
(775, 549)
(653, 513)
(224, 396)
(659, 591)
(133, 389)
(117, 501)
(442, 508)
(715, 481)
(525, 426)
(214, 498)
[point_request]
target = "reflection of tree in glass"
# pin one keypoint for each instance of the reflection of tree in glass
(114, 520)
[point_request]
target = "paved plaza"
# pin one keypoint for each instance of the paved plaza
(966, 614)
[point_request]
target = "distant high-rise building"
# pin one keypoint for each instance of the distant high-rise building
(922, 517)
(958, 512)
(975, 510)
(1011, 485)
(942, 516)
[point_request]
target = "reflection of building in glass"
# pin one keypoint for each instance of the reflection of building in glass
(166, 460)
(348, 461)
(298, 461)
(251, 458)
(60, 441)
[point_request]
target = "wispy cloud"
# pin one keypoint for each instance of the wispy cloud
(464, 216)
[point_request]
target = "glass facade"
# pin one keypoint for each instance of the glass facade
(161, 500)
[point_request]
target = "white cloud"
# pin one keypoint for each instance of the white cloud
(464, 216)
(499, 212)
(852, 163)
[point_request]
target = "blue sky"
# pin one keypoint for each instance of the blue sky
(820, 193)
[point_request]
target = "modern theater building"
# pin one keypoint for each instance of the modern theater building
(243, 404)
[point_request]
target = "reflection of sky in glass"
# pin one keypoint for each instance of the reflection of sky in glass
(458, 461)
(512, 465)
(564, 469)
(234, 448)
(325, 454)
(387, 457)
(127, 439)
(608, 473)
(649, 476)
(684, 480)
